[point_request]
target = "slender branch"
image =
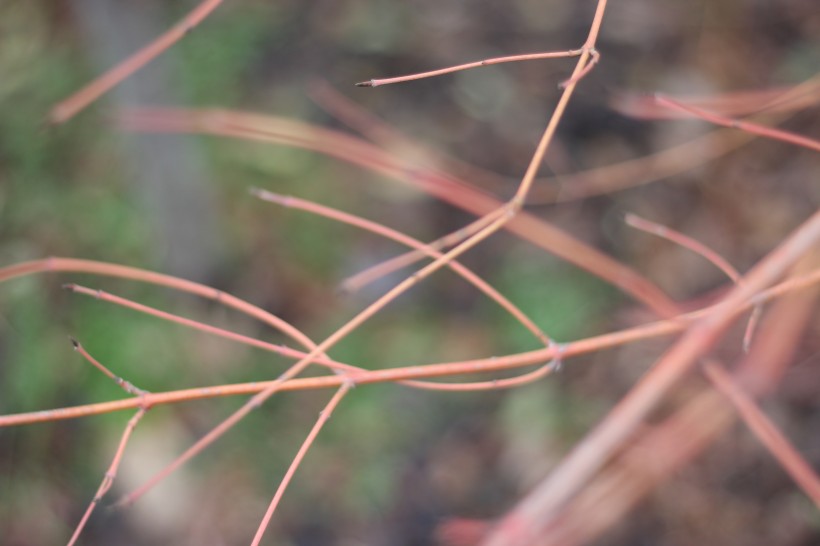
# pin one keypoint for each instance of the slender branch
(388, 137)
(665, 232)
(536, 510)
(324, 415)
(258, 399)
(295, 354)
(359, 152)
(656, 451)
(595, 57)
(227, 334)
(122, 383)
(738, 103)
(768, 434)
(468, 66)
(67, 108)
(384, 231)
(565, 350)
(373, 273)
(110, 474)
(74, 265)
(747, 126)
(665, 163)
(708, 254)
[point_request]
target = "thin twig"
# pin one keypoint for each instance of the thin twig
(258, 399)
(392, 234)
(737, 103)
(297, 355)
(656, 451)
(122, 383)
(67, 108)
(324, 415)
(595, 57)
(468, 66)
(776, 442)
(366, 155)
(492, 364)
(110, 474)
(705, 252)
(535, 511)
(382, 269)
(665, 163)
(221, 332)
(747, 126)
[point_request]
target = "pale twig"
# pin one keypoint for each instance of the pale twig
(665, 163)
(388, 137)
(110, 474)
(656, 451)
(392, 234)
(324, 415)
(768, 434)
(468, 275)
(288, 352)
(589, 455)
(382, 269)
(122, 383)
(746, 126)
(67, 108)
(595, 57)
(492, 364)
(737, 103)
(56, 264)
(705, 252)
(468, 66)
(227, 334)
(364, 154)
(259, 398)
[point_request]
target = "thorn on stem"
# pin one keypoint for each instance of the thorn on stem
(74, 343)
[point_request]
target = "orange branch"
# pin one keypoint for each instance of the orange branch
(747, 126)
(777, 443)
(110, 474)
(569, 349)
(468, 66)
(67, 108)
(324, 415)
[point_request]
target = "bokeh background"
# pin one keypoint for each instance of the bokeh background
(393, 463)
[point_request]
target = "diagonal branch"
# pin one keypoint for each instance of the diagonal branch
(69, 107)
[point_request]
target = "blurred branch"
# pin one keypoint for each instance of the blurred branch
(565, 350)
(538, 511)
(658, 451)
(70, 106)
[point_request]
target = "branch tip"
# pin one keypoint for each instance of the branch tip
(272, 197)
(368, 83)
(74, 343)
